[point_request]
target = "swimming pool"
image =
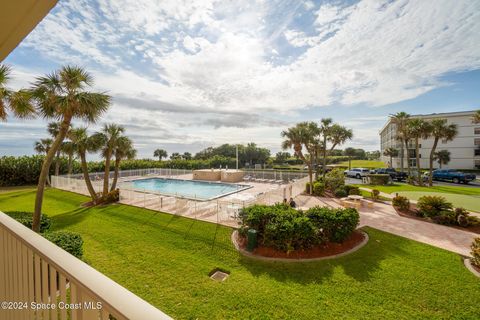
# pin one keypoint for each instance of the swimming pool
(192, 189)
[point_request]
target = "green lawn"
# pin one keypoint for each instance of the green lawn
(465, 197)
(363, 164)
(165, 259)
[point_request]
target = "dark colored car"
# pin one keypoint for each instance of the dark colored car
(453, 176)
(394, 174)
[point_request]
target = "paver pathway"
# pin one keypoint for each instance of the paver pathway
(385, 218)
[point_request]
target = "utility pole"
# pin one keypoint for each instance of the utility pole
(236, 152)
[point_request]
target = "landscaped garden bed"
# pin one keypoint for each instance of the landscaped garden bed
(283, 232)
(436, 209)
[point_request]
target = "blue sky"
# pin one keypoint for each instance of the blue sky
(185, 75)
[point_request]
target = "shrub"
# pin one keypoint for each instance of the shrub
(336, 225)
(69, 241)
(476, 252)
(430, 206)
(379, 179)
(258, 216)
(401, 202)
(354, 190)
(445, 217)
(375, 194)
(26, 218)
(290, 231)
(318, 188)
(334, 180)
(473, 221)
(340, 192)
(111, 197)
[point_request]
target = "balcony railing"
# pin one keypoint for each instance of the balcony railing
(39, 280)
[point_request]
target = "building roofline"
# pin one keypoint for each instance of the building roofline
(434, 115)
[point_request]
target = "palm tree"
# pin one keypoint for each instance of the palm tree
(476, 117)
(335, 134)
(42, 147)
(53, 129)
(302, 135)
(392, 153)
(442, 157)
(439, 130)
(400, 119)
(350, 152)
(83, 144)
(68, 148)
(123, 150)
(63, 96)
(110, 135)
(160, 153)
(418, 129)
(19, 102)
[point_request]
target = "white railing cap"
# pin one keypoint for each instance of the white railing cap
(118, 298)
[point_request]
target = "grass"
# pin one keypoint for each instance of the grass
(465, 197)
(15, 188)
(165, 259)
(371, 164)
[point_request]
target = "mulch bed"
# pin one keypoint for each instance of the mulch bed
(412, 215)
(328, 249)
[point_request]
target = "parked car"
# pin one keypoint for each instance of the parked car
(394, 174)
(453, 176)
(357, 172)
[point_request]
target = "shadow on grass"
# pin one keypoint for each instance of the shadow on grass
(69, 218)
(360, 265)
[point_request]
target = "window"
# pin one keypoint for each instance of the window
(477, 164)
(477, 130)
(477, 141)
(413, 162)
(477, 152)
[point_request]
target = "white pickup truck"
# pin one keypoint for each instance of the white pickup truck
(357, 172)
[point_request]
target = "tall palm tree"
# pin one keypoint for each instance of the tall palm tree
(160, 153)
(111, 133)
(350, 152)
(299, 136)
(418, 129)
(63, 96)
(442, 157)
(337, 135)
(123, 150)
(53, 129)
(42, 147)
(83, 144)
(392, 153)
(18, 102)
(400, 119)
(69, 148)
(324, 131)
(440, 130)
(476, 117)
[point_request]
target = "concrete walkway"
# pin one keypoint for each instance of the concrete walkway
(385, 218)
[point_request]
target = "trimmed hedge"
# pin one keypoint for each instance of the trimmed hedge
(26, 218)
(71, 242)
(287, 229)
(379, 179)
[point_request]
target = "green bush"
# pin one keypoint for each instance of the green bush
(445, 217)
(26, 219)
(111, 197)
(287, 229)
(379, 179)
(336, 225)
(431, 206)
(353, 190)
(69, 241)
(318, 188)
(375, 195)
(334, 180)
(401, 202)
(476, 252)
(340, 192)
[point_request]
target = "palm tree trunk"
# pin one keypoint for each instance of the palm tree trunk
(432, 154)
(417, 156)
(402, 155)
(70, 160)
(408, 157)
(86, 177)
(57, 163)
(324, 162)
(391, 161)
(115, 176)
(106, 178)
(45, 171)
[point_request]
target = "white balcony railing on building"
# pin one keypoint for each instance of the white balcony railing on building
(39, 280)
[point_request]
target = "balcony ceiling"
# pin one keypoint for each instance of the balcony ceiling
(17, 20)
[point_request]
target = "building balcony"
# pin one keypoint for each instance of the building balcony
(39, 280)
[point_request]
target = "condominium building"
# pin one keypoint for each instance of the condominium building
(464, 148)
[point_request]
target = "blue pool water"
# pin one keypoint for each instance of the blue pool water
(201, 190)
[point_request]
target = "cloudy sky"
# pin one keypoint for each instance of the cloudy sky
(185, 75)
